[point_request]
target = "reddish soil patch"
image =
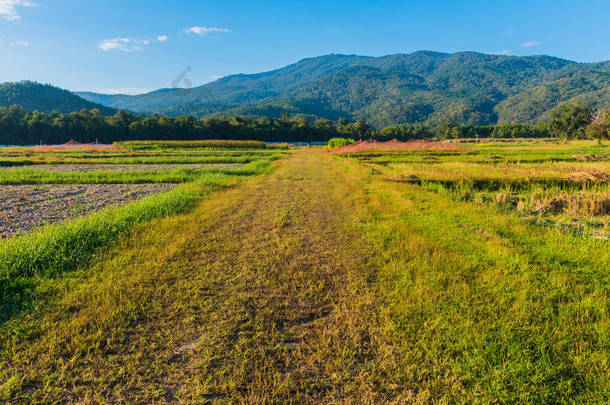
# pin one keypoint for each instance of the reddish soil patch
(75, 148)
(395, 144)
(70, 146)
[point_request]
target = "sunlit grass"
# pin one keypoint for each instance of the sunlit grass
(25, 175)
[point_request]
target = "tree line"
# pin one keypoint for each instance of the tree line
(21, 127)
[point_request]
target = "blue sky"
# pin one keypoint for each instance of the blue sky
(137, 45)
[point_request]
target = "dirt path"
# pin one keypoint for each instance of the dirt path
(249, 298)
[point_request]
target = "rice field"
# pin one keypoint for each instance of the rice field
(87, 199)
(477, 274)
(547, 184)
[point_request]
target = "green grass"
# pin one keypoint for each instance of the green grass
(488, 307)
(7, 162)
(493, 153)
(24, 175)
(194, 152)
(61, 247)
(46, 253)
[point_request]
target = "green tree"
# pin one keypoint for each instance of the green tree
(599, 128)
(361, 129)
(569, 120)
(448, 130)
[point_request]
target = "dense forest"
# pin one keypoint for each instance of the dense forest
(422, 87)
(21, 127)
(46, 98)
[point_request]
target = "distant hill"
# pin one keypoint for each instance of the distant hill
(590, 85)
(424, 86)
(45, 98)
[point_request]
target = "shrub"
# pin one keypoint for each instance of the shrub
(339, 142)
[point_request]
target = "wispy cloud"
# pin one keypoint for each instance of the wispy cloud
(19, 43)
(202, 31)
(530, 44)
(504, 52)
(507, 33)
(132, 91)
(123, 44)
(162, 38)
(214, 77)
(8, 8)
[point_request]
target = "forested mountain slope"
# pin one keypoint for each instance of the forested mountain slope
(426, 87)
(46, 98)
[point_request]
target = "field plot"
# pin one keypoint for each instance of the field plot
(25, 207)
(128, 168)
(60, 207)
(545, 183)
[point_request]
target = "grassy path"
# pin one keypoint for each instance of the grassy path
(242, 299)
(321, 282)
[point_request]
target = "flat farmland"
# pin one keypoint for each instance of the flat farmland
(439, 275)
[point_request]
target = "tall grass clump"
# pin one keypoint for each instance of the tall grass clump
(252, 169)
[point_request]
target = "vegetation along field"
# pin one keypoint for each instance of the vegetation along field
(411, 272)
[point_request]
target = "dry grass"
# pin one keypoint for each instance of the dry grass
(462, 171)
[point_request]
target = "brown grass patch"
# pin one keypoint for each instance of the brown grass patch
(585, 177)
(601, 207)
(395, 144)
(589, 158)
(555, 204)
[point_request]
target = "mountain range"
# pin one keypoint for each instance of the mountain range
(426, 87)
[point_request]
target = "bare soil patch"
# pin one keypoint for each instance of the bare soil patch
(395, 144)
(24, 207)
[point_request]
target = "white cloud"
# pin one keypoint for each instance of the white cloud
(123, 44)
(531, 43)
(8, 8)
(205, 30)
(132, 91)
(216, 77)
(19, 43)
(504, 52)
(507, 33)
(162, 38)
